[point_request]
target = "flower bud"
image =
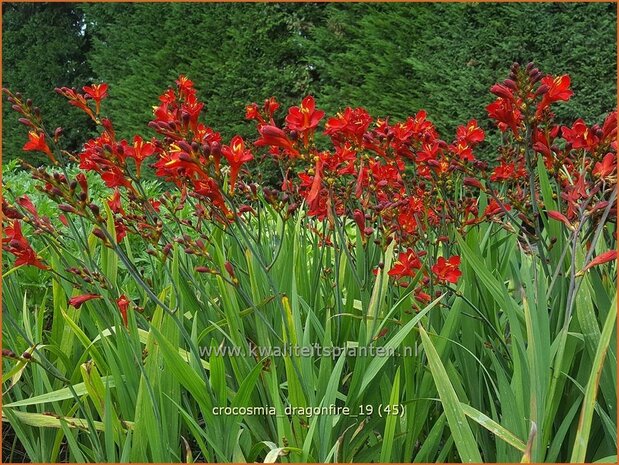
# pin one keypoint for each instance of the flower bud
(99, 233)
(509, 83)
(184, 146)
(67, 208)
(229, 268)
(215, 149)
(472, 182)
(185, 117)
(536, 77)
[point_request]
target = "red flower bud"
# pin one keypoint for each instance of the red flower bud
(230, 269)
(472, 182)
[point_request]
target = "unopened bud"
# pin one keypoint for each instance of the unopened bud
(510, 84)
(66, 208)
(229, 269)
(472, 182)
(184, 146)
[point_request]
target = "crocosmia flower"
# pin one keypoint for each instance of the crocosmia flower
(407, 264)
(304, 117)
(579, 136)
(237, 155)
(558, 90)
(36, 143)
(15, 243)
(447, 270)
(78, 300)
(97, 92)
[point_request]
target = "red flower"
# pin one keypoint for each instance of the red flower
(558, 89)
(176, 164)
(78, 300)
(600, 259)
(252, 112)
(471, 134)
(25, 202)
(16, 244)
(114, 203)
(558, 216)
(304, 118)
(123, 306)
(36, 143)
(275, 137)
(462, 150)
(185, 86)
(407, 264)
(139, 151)
(606, 167)
(579, 136)
(350, 125)
(506, 114)
(97, 92)
(503, 172)
(494, 208)
(237, 155)
(502, 91)
(208, 188)
(77, 100)
(270, 106)
(447, 270)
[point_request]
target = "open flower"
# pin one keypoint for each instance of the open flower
(305, 117)
(407, 264)
(237, 155)
(606, 167)
(36, 143)
(447, 270)
(15, 243)
(139, 151)
(579, 136)
(558, 90)
(97, 92)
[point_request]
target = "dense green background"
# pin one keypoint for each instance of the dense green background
(391, 58)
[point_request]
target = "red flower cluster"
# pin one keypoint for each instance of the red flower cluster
(15, 243)
(376, 178)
